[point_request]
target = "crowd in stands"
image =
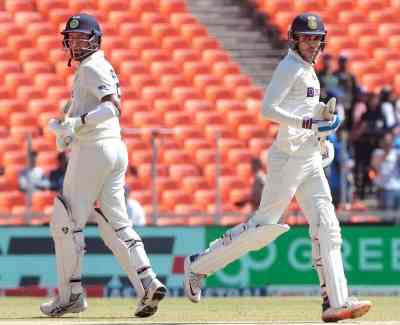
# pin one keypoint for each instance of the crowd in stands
(367, 147)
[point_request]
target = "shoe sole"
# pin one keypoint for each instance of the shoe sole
(349, 314)
(150, 310)
(186, 286)
(70, 311)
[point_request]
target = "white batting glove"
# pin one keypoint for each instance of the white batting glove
(72, 122)
(65, 135)
(322, 128)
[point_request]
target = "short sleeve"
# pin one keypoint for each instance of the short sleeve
(100, 82)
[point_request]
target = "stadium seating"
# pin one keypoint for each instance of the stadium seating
(174, 75)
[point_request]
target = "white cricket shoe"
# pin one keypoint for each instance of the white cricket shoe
(353, 308)
(77, 303)
(192, 282)
(148, 305)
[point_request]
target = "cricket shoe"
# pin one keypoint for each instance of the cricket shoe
(192, 282)
(77, 303)
(148, 305)
(353, 308)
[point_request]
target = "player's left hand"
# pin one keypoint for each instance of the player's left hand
(323, 128)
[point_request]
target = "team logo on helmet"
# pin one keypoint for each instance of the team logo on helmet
(312, 22)
(74, 23)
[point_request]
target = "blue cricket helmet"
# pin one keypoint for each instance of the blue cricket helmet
(307, 24)
(86, 24)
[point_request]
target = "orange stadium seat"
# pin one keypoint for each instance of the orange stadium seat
(58, 17)
(144, 6)
(179, 18)
(202, 43)
(218, 130)
(374, 81)
(340, 5)
(150, 18)
(182, 94)
(168, 7)
(192, 68)
(175, 118)
(382, 15)
(172, 197)
(365, 6)
(357, 30)
(15, 6)
(283, 19)
(173, 80)
(189, 31)
(82, 5)
(308, 5)
(272, 6)
(347, 17)
(180, 171)
(110, 5)
(370, 43)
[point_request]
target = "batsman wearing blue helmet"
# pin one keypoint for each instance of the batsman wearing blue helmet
(95, 173)
(295, 168)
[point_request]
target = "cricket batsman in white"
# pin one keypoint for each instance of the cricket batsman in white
(96, 172)
(295, 165)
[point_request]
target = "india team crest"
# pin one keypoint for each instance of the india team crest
(312, 22)
(74, 23)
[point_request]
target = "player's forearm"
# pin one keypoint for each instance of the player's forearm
(277, 114)
(103, 112)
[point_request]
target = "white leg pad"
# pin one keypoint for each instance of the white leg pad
(327, 243)
(127, 247)
(69, 246)
(235, 243)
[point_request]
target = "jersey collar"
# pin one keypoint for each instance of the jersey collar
(95, 55)
(299, 58)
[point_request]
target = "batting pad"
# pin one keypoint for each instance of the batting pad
(69, 246)
(235, 243)
(127, 257)
(330, 241)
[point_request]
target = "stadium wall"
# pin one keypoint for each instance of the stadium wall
(371, 258)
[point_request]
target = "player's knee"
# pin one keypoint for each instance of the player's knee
(61, 223)
(328, 226)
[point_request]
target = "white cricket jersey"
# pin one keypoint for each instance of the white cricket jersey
(94, 79)
(294, 89)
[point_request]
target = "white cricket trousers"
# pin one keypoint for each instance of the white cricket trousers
(290, 175)
(96, 171)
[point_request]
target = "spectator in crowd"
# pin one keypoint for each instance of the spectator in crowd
(135, 210)
(254, 196)
(32, 178)
(360, 106)
(56, 176)
(387, 106)
(348, 86)
(328, 80)
(386, 163)
(364, 138)
(339, 172)
(259, 176)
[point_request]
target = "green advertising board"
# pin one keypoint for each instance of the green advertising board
(371, 256)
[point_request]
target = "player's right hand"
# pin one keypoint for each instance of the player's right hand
(65, 135)
(322, 128)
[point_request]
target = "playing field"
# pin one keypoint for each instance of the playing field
(269, 310)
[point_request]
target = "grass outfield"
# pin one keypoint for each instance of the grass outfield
(268, 310)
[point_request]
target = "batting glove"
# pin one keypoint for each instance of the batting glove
(72, 122)
(65, 135)
(322, 128)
